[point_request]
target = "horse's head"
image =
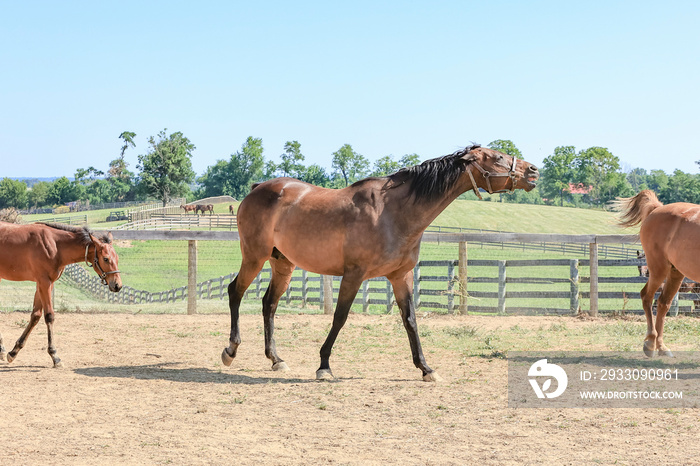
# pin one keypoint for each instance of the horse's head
(105, 262)
(496, 172)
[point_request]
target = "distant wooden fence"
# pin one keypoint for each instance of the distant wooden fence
(442, 285)
(170, 221)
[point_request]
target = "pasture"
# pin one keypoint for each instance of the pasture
(151, 389)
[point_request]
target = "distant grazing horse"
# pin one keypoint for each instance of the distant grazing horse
(231, 209)
(670, 237)
(205, 208)
(188, 208)
(369, 229)
(39, 252)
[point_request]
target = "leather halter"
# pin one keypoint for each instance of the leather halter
(487, 176)
(96, 265)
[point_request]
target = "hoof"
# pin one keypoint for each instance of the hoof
(58, 364)
(432, 377)
(648, 350)
(324, 374)
(665, 352)
(3, 356)
(225, 358)
(10, 358)
(280, 366)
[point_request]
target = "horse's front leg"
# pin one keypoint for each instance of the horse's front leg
(402, 290)
(349, 286)
(33, 320)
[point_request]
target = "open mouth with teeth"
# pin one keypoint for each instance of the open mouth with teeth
(532, 182)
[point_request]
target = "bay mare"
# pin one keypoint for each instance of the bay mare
(39, 252)
(370, 229)
(670, 237)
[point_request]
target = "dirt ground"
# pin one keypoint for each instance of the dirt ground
(151, 389)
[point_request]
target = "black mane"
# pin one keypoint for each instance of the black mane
(432, 178)
(83, 233)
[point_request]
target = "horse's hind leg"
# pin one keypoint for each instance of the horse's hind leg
(236, 290)
(281, 276)
(647, 294)
(33, 320)
(673, 284)
(402, 290)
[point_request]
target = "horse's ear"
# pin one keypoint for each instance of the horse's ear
(95, 240)
(110, 237)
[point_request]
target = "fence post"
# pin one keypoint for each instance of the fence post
(416, 286)
(673, 311)
(450, 287)
(593, 253)
(575, 282)
(327, 283)
(304, 287)
(501, 287)
(191, 277)
(389, 297)
(462, 275)
(365, 296)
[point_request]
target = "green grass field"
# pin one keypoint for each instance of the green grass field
(161, 265)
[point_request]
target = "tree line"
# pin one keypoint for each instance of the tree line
(586, 178)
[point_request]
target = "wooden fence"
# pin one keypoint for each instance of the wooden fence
(549, 286)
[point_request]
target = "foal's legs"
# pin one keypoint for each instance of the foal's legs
(281, 276)
(349, 286)
(402, 290)
(42, 300)
(236, 290)
(673, 284)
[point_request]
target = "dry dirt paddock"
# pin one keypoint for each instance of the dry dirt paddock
(150, 389)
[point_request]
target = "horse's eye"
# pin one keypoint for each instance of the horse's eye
(106, 259)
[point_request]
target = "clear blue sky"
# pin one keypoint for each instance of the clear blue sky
(386, 77)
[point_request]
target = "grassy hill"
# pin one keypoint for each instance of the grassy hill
(527, 218)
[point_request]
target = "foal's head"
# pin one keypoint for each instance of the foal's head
(105, 262)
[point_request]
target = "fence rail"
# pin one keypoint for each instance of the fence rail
(537, 286)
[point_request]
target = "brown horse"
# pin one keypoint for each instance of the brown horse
(205, 208)
(188, 208)
(670, 236)
(39, 252)
(370, 229)
(230, 209)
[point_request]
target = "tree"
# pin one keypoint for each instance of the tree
(409, 160)
(557, 172)
(166, 170)
(385, 166)
(349, 164)
(13, 193)
(62, 191)
(506, 146)
(316, 174)
(599, 168)
(38, 194)
(237, 175)
(637, 178)
(291, 160)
